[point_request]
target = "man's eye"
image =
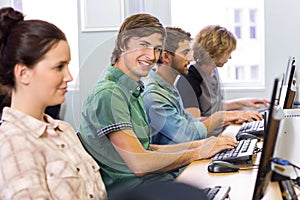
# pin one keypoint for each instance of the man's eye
(157, 49)
(59, 68)
(144, 45)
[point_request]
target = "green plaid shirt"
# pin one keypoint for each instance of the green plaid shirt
(115, 104)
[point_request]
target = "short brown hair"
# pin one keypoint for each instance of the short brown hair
(137, 25)
(175, 35)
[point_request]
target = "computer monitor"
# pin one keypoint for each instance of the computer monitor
(265, 171)
(288, 88)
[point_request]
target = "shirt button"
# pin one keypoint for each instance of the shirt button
(93, 167)
(91, 196)
(78, 169)
(62, 145)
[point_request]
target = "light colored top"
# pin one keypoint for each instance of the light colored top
(115, 104)
(170, 123)
(40, 160)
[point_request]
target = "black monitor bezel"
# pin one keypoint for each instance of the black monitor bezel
(264, 171)
(288, 96)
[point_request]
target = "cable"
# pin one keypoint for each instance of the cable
(248, 168)
(298, 178)
(257, 150)
(283, 162)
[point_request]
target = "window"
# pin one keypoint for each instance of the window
(239, 73)
(252, 21)
(243, 18)
(237, 23)
(254, 72)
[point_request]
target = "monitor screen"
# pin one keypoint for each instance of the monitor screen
(288, 88)
(264, 171)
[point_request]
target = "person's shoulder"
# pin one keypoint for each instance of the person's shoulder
(11, 134)
(104, 85)
(193, 73)
(103, 89)
(152, 87)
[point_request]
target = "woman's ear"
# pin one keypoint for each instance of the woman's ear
(22, 73)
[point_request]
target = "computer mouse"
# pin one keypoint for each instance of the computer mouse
(218, 166)
(244, 136)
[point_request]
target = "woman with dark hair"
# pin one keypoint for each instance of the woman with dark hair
(40, 158)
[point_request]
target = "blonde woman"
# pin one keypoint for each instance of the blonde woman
(200, 88)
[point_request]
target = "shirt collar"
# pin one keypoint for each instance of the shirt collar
(28, 122)
(133, 87)
(154, 77)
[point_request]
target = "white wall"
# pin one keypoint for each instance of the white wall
(282, 36)
(282, 32)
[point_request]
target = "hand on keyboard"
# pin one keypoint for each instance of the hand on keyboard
(242, 152)
(213, 145)
(253, 128)
(248, 102)
(238, 117)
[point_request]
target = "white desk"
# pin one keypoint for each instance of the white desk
(241, 183)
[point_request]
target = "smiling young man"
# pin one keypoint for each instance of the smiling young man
(114, 125)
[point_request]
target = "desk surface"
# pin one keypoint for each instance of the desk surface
(241, 182)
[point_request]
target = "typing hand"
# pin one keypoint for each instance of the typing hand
(238, 117)
(253, 102)
(213, 145)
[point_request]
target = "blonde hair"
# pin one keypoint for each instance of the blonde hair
(216, 40)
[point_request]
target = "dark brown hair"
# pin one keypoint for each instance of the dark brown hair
(23, 41)
(174, 36)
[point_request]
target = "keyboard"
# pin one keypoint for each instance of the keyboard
(255, 127)
(217, 192)
(242, 152)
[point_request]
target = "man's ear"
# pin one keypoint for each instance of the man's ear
(166, 57)
(123, 48)
(22, 73)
